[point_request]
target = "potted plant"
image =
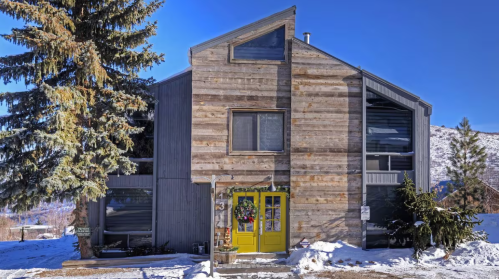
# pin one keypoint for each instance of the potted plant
(227, 253)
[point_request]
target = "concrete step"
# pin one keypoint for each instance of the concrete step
(99, 262)
(255, 269)
(253, 256)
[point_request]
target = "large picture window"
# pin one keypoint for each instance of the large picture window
(257, 131)
(388, 126)
(128, 210)
(271, 46)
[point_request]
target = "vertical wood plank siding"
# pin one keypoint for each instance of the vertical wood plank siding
(182, 208)
(326, 148)
(217, 86)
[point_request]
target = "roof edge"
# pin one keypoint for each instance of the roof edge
(295, 39)
(384, 81)
(175, 76)
(243, 30)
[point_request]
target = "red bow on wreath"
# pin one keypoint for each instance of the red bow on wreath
(251, 220)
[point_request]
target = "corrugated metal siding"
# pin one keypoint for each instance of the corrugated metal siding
(399, 97)
(422, 144)
(93, 220)
(182, 208)
(174, 127)
(384, 178)
(183, 213)
(129, 181)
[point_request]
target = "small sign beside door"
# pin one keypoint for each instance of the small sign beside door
(83, 232)
(365, 213)
(304, 243)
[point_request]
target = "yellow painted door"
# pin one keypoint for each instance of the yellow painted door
(245, 235)
(273, 216)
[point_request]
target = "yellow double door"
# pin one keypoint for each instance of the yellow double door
(268, 232)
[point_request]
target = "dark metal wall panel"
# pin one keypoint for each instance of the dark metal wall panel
(183, 212)
(130, 181)
(422, 145)
(389, 93)
(93, 220)
(182, 208)
(174, 127)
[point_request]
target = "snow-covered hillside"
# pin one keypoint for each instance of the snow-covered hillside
(440, 152)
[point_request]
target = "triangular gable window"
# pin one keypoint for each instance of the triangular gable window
(270, 46)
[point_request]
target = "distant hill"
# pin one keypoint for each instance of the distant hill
(440, 152)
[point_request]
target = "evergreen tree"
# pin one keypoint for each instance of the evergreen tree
(446, 227)
(71, 127)
(468, 163)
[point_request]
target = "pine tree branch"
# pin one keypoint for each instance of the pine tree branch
(52, 19)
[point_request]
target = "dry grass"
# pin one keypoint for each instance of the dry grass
(354, 275)
(82, 272)
(5, 224)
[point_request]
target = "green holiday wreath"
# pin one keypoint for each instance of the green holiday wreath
(245, 211)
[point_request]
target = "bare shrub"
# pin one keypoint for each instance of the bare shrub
(5, 224)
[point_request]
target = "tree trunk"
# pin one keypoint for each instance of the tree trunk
(81, 221)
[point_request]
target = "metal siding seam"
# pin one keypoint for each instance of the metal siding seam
(364, 186)
(155, 168)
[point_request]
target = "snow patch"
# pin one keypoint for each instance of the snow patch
(200, 271)
(418, 223)
(341, 255)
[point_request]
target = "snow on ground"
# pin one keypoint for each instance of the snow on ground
(29, 258)
(473, 258)
(476, 259)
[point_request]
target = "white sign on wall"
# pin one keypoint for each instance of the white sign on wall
(365, 213)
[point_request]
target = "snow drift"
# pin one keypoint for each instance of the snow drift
(323, 256)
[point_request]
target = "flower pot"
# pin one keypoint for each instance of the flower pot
(225, 257)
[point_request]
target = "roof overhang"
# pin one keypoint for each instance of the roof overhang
(243, 30)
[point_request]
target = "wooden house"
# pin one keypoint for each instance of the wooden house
(305, 136)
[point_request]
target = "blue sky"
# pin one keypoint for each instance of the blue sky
(447, 52)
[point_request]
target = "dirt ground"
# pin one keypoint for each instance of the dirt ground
(82, 272)
(352, 275)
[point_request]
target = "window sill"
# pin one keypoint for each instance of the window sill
(250, 61)
(256, 153)
(388, 171)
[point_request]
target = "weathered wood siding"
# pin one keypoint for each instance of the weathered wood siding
(182, 208)
(326, 147)
(217, 86)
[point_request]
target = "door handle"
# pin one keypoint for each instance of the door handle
(260, 227)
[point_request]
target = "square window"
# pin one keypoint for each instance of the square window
(257, 131)
(128, 210)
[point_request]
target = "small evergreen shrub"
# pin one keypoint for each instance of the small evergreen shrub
(231, 249)
(435, 226)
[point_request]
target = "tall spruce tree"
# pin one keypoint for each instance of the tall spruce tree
(72, 127)
(468, 163)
